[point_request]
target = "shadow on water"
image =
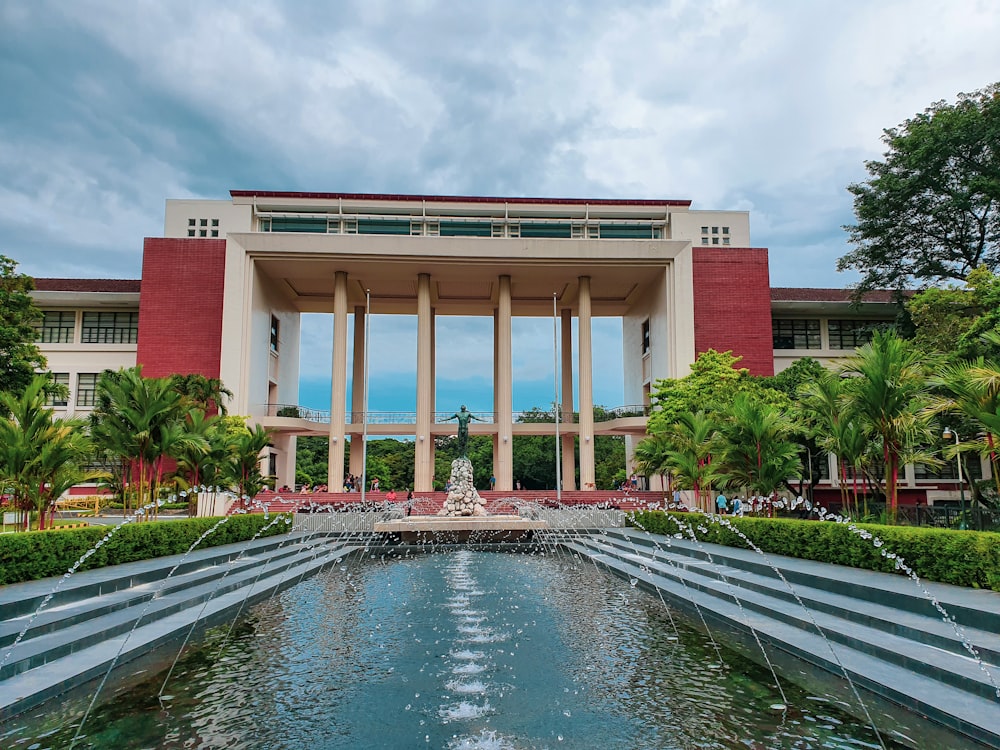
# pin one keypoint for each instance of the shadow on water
(458, 649)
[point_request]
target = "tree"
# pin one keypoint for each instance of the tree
(243, 468)
(690, 458)
(713, 383)
(201, 392)
(755, 449)
(930, 210)
(888, 393)
(951, 322)
(40, 456)
(20, 358)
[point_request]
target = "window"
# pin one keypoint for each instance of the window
(465, 229)
(203, 233)
(645, 336)
(725, 230)
(272, 464)
(715, 240)
(215, 232)
(544, 230)
(704, 240)
(190, 233)
(56, 327)
(191, 222)
(795, 334)
(110, 327)
(725, 240)
(86, 388)
(59, 378)
(204, 222)
(704, 230)
(972, 468)
(715, 230)
(849, 334)
(274, 334)
(215, 222)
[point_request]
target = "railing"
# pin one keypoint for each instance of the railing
(941, 516)
(532, 416)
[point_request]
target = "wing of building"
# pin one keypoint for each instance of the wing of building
(222, 291)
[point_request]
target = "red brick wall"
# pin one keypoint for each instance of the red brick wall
(732, 305)
(180, 307)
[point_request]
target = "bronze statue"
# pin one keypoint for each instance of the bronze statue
(463, 417)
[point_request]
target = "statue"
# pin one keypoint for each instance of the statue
(463, 417)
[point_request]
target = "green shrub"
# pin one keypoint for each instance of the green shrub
(961, 558)
(40, 554)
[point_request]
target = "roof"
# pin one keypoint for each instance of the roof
(799, 294)
(458, 198)
(88, 285)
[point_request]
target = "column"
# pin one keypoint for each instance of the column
(338, 391)
(358, 390)
(503, 455)
(423, 469)
(586, 389)
(568, 439)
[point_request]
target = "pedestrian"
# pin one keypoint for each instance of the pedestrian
(737, 506)
(722, 504)
(409, 501)
(519, 484)
(375, 484)
(493, 482)
(390, 496)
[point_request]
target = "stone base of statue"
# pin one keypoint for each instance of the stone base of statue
(463, 498)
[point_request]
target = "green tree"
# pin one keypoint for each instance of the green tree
(930, 210)
(950, 323)
(242, 472)
(690, 457)
(201, 392)
(20, 358)
(40, 456)
(754, 446)
(887, 392)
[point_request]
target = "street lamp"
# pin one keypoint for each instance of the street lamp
(947, 435)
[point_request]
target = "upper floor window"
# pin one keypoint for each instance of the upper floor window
(86, 388)
(274, 333)
(56, 327)
(850, 334)
(795, 334)
(59, 378)
(110, 327)
(645, 336)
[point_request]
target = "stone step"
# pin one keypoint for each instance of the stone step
(32, 687)
(941, 684)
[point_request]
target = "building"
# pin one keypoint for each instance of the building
(222, 291)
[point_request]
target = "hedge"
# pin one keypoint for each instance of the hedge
(39, 554)
(961, 558)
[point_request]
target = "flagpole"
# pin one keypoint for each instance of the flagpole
(364, 414)
(555, 392)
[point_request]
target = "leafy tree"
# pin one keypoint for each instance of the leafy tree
(713, 383)
(887, 392)
(690, 457)
(951, 322)
(40, 456)
(20, 358)
(755, 449)
(312, 457)
(930, 210)
(201, 392)
(242, 471)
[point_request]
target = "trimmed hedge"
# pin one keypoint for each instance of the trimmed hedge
(40, 554)
(961, 558)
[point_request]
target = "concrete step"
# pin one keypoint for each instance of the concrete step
(908, 614)
(942, 684)
(29, 688)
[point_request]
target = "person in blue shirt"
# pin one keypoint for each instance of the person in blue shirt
(721, 503)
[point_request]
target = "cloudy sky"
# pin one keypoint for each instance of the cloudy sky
(110, 107)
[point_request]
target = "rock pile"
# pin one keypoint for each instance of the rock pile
(463, 498)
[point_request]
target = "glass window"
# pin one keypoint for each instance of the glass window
(59, 378)
(190, 233)
(725, 240)
(725, 230)
(110, 327)
(704, 230)
(204, 233)
(56, 327)
(297, 224)
(627, 231)
(465, 229)
(645, 336)
(215, 222)
(715, 240)
(191, 222)
(795, 334)
(849, 334)
(704, 240)
(86, 388)
(547, 230)
(204, 222)
(274, 333)
(215, 232)
(972, 468)
(384, 226)
(715, 230)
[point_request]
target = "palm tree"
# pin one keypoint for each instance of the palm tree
(40, 456)
(755, 446)
(199, 391)
(887, 392)
(139, 421)
(651, 456)
(689, 457)
(244, 460)
(200, 461)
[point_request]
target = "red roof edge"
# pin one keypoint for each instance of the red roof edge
(88, 285)
(804, 294)
(458, 198)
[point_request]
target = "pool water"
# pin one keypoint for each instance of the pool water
(460, 649)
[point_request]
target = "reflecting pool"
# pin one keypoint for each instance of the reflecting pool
(456, 650)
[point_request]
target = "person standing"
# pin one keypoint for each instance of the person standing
(737, 506)
(493, 482)
(722, 504)
(375, 485)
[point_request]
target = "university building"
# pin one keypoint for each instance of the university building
(222, 291)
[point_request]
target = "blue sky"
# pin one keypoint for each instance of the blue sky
(773, 106)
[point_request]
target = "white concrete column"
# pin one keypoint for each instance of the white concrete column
(358, 391)
(338, 391)
(423, 469)
(568, 440)
(586, 388)
(503, 454)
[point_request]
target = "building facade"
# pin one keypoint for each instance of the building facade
(222, 291)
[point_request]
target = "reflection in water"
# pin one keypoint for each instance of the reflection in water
(458, 650)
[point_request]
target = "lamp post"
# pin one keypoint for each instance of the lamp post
(947, 435)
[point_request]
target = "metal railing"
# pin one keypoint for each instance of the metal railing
(532, 416)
